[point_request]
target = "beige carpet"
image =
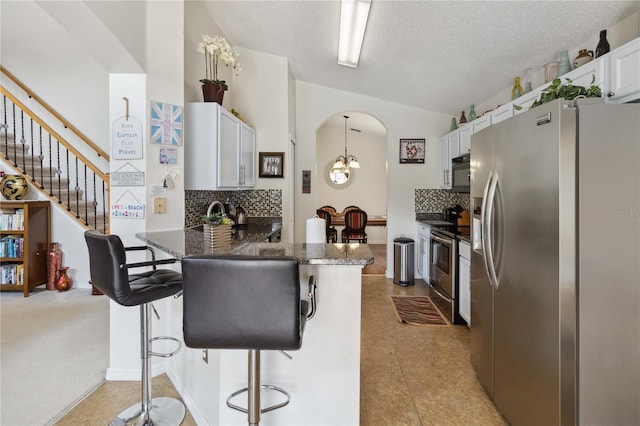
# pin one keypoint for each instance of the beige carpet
(417, 310)
(54, 349)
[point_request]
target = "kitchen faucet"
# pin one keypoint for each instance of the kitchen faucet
(215, 204)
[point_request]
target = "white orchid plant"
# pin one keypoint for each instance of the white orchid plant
(217, 49)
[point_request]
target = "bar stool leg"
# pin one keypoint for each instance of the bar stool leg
(254, 387)
(150, 412)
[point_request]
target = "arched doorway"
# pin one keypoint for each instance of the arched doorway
(365, 187)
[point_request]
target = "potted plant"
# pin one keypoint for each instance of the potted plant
(216, 49)
(217, 231)
(567, 91)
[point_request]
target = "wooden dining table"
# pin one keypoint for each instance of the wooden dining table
(338, 220)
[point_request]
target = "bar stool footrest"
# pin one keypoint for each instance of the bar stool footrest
(167, 354)
(262, 410)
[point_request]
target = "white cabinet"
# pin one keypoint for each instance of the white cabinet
(424, 246)
(219, 149)
(454, 144)
(524, 102)
(445, 163)
(465, 138)
(502, 113)
(591, 73)
(464, 281)
(624, 73)
(481, 122)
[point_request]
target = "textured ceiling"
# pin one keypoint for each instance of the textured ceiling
(437, 55)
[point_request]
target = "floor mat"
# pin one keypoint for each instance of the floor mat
(417, 310)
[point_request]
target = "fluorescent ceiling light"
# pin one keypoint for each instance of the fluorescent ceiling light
(353, 22)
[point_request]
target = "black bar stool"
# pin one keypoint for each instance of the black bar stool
(110, 274)
(245, 302)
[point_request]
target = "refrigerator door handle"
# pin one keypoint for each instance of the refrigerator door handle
(489, 254)
(483, 226)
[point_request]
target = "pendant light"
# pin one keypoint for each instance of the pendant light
(346, 161)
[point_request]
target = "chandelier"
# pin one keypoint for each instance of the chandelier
(345, 162)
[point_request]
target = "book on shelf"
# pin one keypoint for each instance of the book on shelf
(12, 274)
(12, 220)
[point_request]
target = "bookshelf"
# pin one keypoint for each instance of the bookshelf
(25, 238)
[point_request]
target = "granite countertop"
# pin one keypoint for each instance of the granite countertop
(190, 241)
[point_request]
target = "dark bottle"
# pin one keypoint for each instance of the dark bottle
(463, 119)
(603, 44)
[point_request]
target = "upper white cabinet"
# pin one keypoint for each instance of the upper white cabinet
(219, 149)
(465, 133)
(502, 113)
(445, 163)
(624, 73)
(481, 123)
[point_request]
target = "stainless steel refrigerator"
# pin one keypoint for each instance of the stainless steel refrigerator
(555, 271)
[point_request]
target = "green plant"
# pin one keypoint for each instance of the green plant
(567, 91)
(216, 219)
(217, 49)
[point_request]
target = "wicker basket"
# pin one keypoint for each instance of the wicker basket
(217, 238)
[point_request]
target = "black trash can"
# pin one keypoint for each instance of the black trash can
(403, 261)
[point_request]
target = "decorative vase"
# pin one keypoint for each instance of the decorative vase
(54, 264)
(64, 282)
(565, 65)
(584, 56)
(217, 238)
(603, 44)
(550, 71)
(213, 92)
(517, 90)
(463, 119)
(472, 113)
(14, 187)
(454, 125)
(527, 80)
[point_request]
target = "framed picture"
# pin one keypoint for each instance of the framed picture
(271, 164)
(412, 151)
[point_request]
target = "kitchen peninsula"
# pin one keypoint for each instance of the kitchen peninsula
(323, 378)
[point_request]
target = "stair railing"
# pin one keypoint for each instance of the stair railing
(50, 162)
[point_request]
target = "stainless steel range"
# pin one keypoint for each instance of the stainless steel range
(443, 270)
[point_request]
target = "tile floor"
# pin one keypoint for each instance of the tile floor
(410, 375)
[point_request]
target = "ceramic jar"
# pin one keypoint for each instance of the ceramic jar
(583, 57)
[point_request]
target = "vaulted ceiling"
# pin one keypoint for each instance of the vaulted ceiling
(438, 55)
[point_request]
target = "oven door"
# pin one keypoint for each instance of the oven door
(442, 270)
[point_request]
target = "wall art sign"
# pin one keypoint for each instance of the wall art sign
(271, 164)
(127, 178)
(127, 207)
(412, 151)
(166, 124)
(126, 137)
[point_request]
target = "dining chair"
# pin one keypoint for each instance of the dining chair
(346, 209)
(355, 223)
(331, 231)
(332, 210)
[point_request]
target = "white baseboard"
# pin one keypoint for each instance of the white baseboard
(134, 374)
(197, 415)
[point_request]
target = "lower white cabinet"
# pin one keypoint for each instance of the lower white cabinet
(464, 280)
(219, 149)
(424, 245)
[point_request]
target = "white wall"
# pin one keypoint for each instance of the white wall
(314, 104)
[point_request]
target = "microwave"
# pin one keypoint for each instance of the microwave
(461, 173)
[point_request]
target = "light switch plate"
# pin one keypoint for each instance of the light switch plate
(159, 204)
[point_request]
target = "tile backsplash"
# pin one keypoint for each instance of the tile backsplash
(256, 203)
(436, 200)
